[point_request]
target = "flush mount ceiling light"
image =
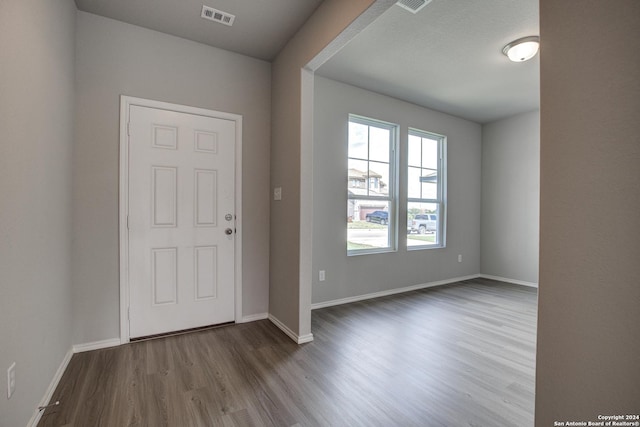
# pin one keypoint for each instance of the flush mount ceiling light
(522, 49)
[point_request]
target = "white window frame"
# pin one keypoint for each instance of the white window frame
(392, 197)
(441, 198)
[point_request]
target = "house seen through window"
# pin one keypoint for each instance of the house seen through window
(371, 221)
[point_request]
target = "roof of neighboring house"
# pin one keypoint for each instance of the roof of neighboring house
(355, 173)
(432, 177)
(363, 192)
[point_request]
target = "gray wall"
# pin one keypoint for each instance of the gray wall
(363, 274)
(511, 197)
(114, 58)
(289, 297)
(589, 294)
(36, 121)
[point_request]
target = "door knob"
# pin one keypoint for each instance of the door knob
(228, 231)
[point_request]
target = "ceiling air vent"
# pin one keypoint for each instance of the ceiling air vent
(413, 6)
(217, 15)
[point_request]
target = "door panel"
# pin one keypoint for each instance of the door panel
(181, 192)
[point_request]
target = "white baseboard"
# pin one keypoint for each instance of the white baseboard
(35, 419)
(298, 339)
(305, 338)
(254, 317)
(96, 345)
(514, 281)
(390, 292)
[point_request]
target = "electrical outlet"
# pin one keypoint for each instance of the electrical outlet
(459, 258)
(11, 380)
(321, 275)
(277, 193)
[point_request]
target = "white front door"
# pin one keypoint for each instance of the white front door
(181, 221)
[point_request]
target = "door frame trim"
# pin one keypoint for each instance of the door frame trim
(126, 102)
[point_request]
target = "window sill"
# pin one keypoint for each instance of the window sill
(370, 251)
(422, 247)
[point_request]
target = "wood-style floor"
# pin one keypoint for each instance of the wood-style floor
(456, 355)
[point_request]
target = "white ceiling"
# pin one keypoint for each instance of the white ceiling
(446, 57)
(261, 28)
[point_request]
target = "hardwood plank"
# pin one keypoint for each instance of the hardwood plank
(455, 355)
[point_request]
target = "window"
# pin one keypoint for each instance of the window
(371, 221)
(425, 190)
